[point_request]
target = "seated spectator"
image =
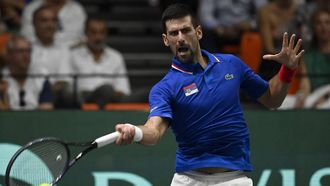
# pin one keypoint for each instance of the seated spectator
(71, 17)
(52, 57)
(224, 22)
(317, 63)
(11, 12)
(274, 19)
(315, 87)
(24, 92)
(302, 19)
(96, 58)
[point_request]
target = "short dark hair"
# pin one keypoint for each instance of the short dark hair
(96, 18)
(40, 9)
(176, 11)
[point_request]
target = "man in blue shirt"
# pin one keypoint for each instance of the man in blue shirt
(199, 100)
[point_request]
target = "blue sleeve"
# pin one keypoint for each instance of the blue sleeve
(160, 102)
(252, 84)
(46, 95)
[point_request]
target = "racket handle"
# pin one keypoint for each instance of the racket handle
(107, 139)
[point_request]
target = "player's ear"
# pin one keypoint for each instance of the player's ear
(199, 32)
(165, 40)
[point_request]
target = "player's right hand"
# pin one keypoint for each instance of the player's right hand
(127, 133)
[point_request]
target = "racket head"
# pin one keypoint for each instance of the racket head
(41, 161)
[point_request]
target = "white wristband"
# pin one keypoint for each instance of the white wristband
(138, 132)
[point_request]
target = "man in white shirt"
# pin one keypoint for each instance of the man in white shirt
(96, 58)
(225, 21)
(71, 18)
(25, 92)
(53, 57)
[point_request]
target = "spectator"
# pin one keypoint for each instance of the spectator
(314, 88)
(71, 17)
(25, 92)
(224, 22)
(274, 19)
(11, 12)
(302, 23)
(94, 58)
(53, 57)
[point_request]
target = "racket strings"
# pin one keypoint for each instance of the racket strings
(39, 163)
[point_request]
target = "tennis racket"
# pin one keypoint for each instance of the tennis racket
(44, 161)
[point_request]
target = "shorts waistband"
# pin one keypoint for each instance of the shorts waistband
(215, 176)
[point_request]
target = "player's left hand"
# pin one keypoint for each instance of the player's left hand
(290, 54)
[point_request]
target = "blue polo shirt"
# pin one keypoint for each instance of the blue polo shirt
(204, 111)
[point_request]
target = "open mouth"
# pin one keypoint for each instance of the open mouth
(182, 49)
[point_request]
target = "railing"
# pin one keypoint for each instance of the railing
(147, 78)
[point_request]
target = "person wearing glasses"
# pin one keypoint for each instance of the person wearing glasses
(26, 90)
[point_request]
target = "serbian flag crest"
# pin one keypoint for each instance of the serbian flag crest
(190, 89)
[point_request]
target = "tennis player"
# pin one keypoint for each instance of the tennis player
(199, 100)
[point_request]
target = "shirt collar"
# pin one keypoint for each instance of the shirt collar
(189, 68)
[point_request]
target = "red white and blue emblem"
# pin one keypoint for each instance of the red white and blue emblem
(190, 89)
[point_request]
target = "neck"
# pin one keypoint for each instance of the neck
(18, 74)
(46, 41)
(203, 61)
(96, 54)
(20, 77)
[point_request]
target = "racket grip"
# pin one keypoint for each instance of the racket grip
(107, 139)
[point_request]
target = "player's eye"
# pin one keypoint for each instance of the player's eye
(173, 33)
(186, 30)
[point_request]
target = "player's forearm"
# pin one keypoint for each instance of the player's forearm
(153, 130)
(147, 134)
(150, 135)
(276, 93)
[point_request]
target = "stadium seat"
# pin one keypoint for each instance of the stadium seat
(294, 87)
(89, 106)
(250, 50)
(127, 106)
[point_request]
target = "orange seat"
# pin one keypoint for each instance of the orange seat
(127, 106)
(230, 49)
(4, 37)
(295, 84)
(89, 106)
(250, 50)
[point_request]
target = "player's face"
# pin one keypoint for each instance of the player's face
(183, 38)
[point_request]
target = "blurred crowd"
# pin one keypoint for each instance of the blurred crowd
(55, 56)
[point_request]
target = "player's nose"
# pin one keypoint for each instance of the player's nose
(180, 37)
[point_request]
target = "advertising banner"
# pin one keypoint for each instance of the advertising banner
(288, 148)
